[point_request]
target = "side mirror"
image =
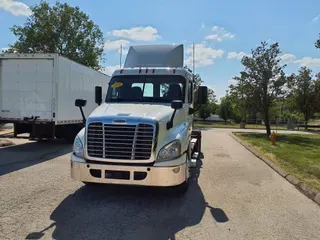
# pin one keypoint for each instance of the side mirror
(202, 95)
(176, 104)
(98, 95)
(80, 102)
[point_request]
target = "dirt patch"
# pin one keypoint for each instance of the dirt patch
(5, 143)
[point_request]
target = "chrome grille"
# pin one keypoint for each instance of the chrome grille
(111, 141)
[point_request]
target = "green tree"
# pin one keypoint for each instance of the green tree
(263, 79)
(304, 93)
(225, 108)
(240, 101)
(60, 29)
(207, 110)
(317, 94)
(317, 43)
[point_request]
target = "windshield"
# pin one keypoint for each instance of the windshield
(158, 88)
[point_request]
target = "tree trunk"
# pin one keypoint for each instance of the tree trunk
(267, 123)
(306, 124)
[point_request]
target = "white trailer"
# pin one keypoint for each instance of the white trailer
(38, 92)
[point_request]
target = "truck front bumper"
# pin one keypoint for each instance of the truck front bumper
(129, 175)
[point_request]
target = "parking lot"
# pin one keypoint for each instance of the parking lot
(233, 195)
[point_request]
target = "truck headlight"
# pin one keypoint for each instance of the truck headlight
(78, 147)
(170, 151)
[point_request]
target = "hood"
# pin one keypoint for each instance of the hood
(139, 110)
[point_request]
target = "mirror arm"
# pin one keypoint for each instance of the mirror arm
(170, 123)
(83, 117)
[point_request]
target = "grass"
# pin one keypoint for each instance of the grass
(297, 154)
(234, 125)
(315, 122)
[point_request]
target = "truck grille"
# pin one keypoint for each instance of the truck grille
(120, 141)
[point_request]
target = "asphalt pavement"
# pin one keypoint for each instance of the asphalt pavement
(233, 195)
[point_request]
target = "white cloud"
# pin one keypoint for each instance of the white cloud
(287, 58)
(239, 55)
(316, 18)
(204, 55)
(309, 62)
(115, 45)
(110, 69)
(305, 61)
(219, 34)
(137, 33)
(15, 7)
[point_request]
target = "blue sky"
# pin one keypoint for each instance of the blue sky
(223, 31)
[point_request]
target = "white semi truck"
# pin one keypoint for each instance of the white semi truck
(37, 94)
(141, 133)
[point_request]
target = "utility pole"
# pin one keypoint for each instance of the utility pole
(193, 61)
(120, 56)
(193, 73)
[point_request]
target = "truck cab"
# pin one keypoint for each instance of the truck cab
(141, 133)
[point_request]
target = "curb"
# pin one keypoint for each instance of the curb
(301, 186)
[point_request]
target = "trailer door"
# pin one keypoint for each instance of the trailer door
(26, 88)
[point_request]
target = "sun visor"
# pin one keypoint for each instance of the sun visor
(155, 56)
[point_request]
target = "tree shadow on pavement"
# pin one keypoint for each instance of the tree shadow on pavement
(24, 155)
(127, 212)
